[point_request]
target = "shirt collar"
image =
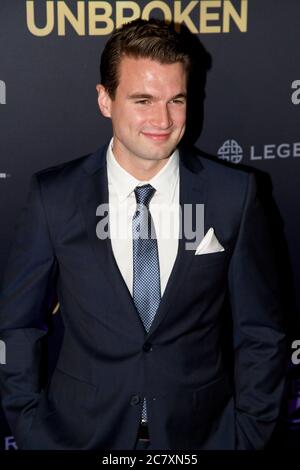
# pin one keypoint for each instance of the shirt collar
(124, 183)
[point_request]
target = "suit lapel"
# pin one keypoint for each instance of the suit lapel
(94, 192)
(193, 190)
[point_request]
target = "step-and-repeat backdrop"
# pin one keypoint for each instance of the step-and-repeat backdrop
(49, 66)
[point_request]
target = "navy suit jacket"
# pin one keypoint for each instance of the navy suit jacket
(107, 362)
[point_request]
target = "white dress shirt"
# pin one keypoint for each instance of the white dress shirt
(164, 209)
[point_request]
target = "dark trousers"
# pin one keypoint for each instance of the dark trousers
(142, 444)
(143, 439)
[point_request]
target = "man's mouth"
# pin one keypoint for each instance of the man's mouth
(157, 137)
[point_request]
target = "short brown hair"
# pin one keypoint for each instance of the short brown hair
(153, 39)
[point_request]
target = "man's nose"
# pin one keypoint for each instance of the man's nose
(161, 117)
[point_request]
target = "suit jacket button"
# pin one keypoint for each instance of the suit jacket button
(135, 400)
(147, 347)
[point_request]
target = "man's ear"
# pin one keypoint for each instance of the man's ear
(104, 101)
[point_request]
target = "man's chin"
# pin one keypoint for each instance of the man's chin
(160, 152)
(158, 156)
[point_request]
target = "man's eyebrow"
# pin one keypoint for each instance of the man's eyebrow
(139, 96)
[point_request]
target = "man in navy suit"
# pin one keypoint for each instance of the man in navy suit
(142, 362)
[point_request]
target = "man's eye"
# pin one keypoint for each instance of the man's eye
(178, 101)
(142, 102)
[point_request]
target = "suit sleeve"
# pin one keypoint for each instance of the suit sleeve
(260, 345)
(25, 300)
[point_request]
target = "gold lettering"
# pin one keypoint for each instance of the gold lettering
(183, 16)
(240, 20)
(104, 18)
(30, 18)
(205, 16)
(100, 18)
(78, 21)
(121, 7)
(160, 6)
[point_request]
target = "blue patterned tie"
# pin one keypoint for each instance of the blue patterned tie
(146, 275)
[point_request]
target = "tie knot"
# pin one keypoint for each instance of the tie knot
(144, 194)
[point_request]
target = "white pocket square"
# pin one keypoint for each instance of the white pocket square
(209, 244)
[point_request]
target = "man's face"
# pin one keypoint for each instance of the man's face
(149, 110)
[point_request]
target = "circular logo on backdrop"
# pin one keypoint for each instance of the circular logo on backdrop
(231, 151)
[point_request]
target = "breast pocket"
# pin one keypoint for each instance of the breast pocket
(209, 259)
